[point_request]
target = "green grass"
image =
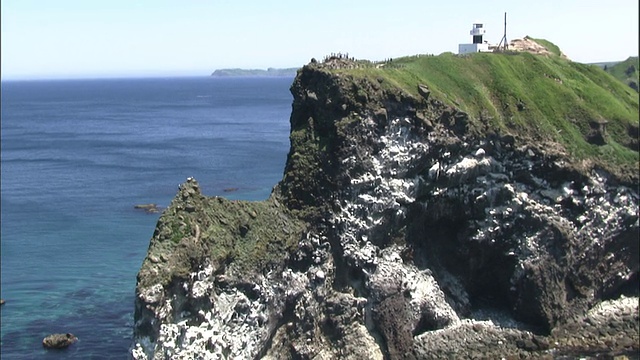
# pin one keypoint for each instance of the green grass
(255, 235)
(248, 238)
(560, 97)
(626, 71)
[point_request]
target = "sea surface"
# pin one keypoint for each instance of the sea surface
(77, 155)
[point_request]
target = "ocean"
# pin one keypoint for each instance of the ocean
(78, 155)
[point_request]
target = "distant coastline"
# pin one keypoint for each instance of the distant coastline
(255, 72)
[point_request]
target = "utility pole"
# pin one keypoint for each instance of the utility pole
(505, 46)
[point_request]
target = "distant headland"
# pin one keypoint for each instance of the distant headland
(255, 72)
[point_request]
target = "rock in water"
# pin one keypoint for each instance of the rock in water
(148, 208)
(59, 341)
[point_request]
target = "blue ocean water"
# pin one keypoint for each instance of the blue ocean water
(78, 155)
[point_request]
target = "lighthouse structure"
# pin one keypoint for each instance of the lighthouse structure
(478, 45)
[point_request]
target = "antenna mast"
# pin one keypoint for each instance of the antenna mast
(503, 42)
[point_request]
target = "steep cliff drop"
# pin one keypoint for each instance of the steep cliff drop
(404, 228)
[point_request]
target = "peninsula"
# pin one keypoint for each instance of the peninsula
(289, 72)
(431, 207)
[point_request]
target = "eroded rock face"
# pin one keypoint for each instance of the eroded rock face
(214, 282)
(398, 235)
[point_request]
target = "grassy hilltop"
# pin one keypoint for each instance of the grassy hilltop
(542, 99)
(626, 71)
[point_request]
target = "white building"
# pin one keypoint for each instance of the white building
(478, 44)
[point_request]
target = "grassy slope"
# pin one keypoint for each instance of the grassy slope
(626, 71)
(560, 98)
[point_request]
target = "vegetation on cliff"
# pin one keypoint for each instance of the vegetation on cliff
(246, 237)
(575, 108)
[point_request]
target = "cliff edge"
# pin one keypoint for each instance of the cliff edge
(431, 207)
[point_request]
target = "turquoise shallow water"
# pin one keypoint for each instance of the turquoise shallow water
(78, 155)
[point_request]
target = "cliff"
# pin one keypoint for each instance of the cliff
(431, 207)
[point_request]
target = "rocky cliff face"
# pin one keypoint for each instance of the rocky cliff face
(396, 233)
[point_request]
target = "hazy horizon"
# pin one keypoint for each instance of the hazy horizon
(71, 39)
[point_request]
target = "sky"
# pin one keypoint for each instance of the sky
(44, 39)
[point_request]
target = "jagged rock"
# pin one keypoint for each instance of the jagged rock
(59, 341)
(424, 91)
(409, 235)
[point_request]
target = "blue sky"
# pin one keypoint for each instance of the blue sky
(95, 38)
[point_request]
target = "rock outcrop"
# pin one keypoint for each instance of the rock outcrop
(148, 208)
(59, 341)
(396, 233)
(530, 45)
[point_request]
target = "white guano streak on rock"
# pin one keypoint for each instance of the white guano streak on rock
(152, 294)
(234, 327)
(379, 189)
(606, 206)
(223, 330)
(426, 295)
(202, 285)
(385, 188)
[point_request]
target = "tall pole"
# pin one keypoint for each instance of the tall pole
(505, 31)
(503, 42)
